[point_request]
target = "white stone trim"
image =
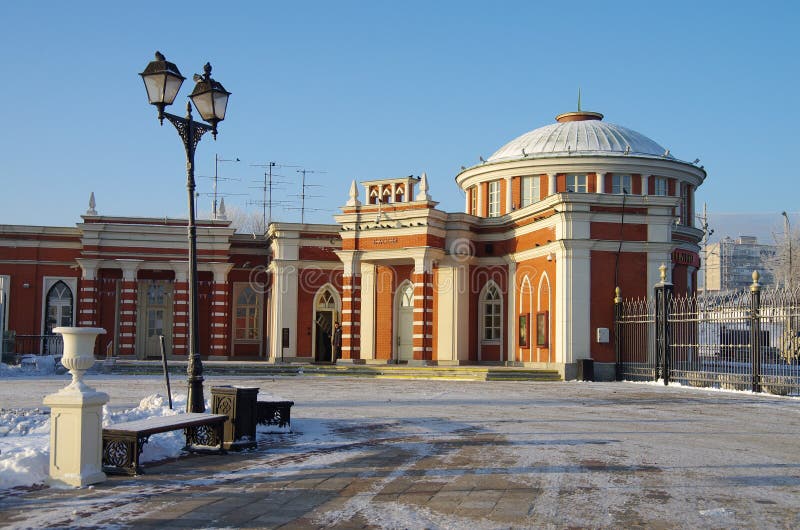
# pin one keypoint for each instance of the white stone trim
(47, 283)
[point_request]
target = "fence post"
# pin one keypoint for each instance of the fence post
(617, 331)
(755, 333)
(663, 291)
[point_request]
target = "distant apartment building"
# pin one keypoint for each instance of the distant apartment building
(729, 264)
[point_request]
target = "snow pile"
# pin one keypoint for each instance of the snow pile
(25, 439)
(24, 447)
(32, 366)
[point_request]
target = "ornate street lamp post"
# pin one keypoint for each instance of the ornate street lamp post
(162, 81)
(787, 231)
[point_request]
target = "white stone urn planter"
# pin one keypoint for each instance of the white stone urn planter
(78, 353)
(76, 415)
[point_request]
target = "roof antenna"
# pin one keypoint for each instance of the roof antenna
(579, 99)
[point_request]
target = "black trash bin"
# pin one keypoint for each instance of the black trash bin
(585, 370)
(239, 404)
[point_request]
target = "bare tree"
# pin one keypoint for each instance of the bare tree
(785, 265)
(246, 222)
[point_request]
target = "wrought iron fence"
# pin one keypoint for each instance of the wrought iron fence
(36, 344)
(742, 341)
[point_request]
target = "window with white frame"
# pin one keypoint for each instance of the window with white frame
(620, 183)
(577, 183)
(58, 311)
(660, 186)
(494, 198)
(247, 313)
(530, 190)
(473, 207)
(492, 306)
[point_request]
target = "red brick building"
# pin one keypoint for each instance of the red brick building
(526, 274)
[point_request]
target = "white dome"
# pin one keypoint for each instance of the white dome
(586, 135)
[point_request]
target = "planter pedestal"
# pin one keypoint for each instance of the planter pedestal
(76, 415)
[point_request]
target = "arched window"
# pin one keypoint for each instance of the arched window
(407, 296)
(492, 313)
(543, 315)
(248, 315)
(59, 307)
(326, 300)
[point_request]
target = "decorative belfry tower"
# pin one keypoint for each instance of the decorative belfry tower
(389, 247)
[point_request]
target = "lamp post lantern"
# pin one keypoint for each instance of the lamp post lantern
(162, 81)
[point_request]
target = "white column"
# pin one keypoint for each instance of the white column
(481, 198)
(283, 304)
(573, 270)
(599, 183)
(129, 268)
(645, 183)
(452, 294)
(368, 323)
(551, 183)
(466, 201)
(508, 195)
(511, 342)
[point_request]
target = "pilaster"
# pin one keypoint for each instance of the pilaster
(422, 277)
(220, 294)
(368, 325)
(87, 294)
(283, 304)
(180, 308)
(453, 326)
(645, 184)
(573, 272)
(127, 305)
(511, 314)
(551, 183)
(351, 305)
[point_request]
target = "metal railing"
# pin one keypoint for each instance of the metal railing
(741, 341)
(35, 345)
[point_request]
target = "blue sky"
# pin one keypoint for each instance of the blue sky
(364, 90)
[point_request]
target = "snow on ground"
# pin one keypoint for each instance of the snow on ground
(25, 433)
(584, 455)
(25, 438)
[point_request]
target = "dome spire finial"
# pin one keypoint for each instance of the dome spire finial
(579, 99)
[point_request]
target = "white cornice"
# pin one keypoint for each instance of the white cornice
(581, 164)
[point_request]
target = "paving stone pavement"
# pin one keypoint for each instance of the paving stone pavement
(479, 455)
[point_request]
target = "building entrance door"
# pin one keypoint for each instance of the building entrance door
(155, 318)
(405, 322)
(324, 329)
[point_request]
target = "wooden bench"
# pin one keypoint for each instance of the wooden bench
(274, 413)
(123, 442)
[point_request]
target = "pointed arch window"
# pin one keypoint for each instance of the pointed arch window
(407, 296)
(326, 300)
(59, 307)
(247, 314)
(492, 314)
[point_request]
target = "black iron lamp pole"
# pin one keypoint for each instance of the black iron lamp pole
(162, 81)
